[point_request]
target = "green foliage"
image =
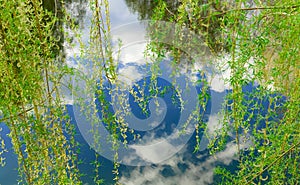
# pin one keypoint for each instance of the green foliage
(263, 42)
(29, 98)
(262, 38)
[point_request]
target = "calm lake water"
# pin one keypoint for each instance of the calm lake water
(185, 167)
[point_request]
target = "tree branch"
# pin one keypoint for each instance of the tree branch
(256, 8)
(277, 159)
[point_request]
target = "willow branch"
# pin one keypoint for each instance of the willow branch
(31, 108)
(270, 165)
(99, 20)
(255, 8)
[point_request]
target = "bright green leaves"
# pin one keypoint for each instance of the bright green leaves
(262, 40)
(31, 111)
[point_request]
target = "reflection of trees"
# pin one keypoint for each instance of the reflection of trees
(196, 16)
(262, 38)
(76, 10)
(54, 7)
(145, 7)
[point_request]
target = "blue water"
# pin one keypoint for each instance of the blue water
(185, 163)
(9, 175)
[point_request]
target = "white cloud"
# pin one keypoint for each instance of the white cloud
(129, 75)
(133, 54)
(156, 152)
(120, 13)
(214, 123)
(194, 172)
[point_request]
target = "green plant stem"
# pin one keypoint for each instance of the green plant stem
(253, 8)
(270, 165)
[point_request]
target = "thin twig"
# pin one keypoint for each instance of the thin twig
(99, 20)
(170, 12)
(266, 168)
(31, 108)
(255, 8)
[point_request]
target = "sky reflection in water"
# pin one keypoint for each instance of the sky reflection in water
(185, 167)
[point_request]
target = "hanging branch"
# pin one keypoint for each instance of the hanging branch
(272, 163)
